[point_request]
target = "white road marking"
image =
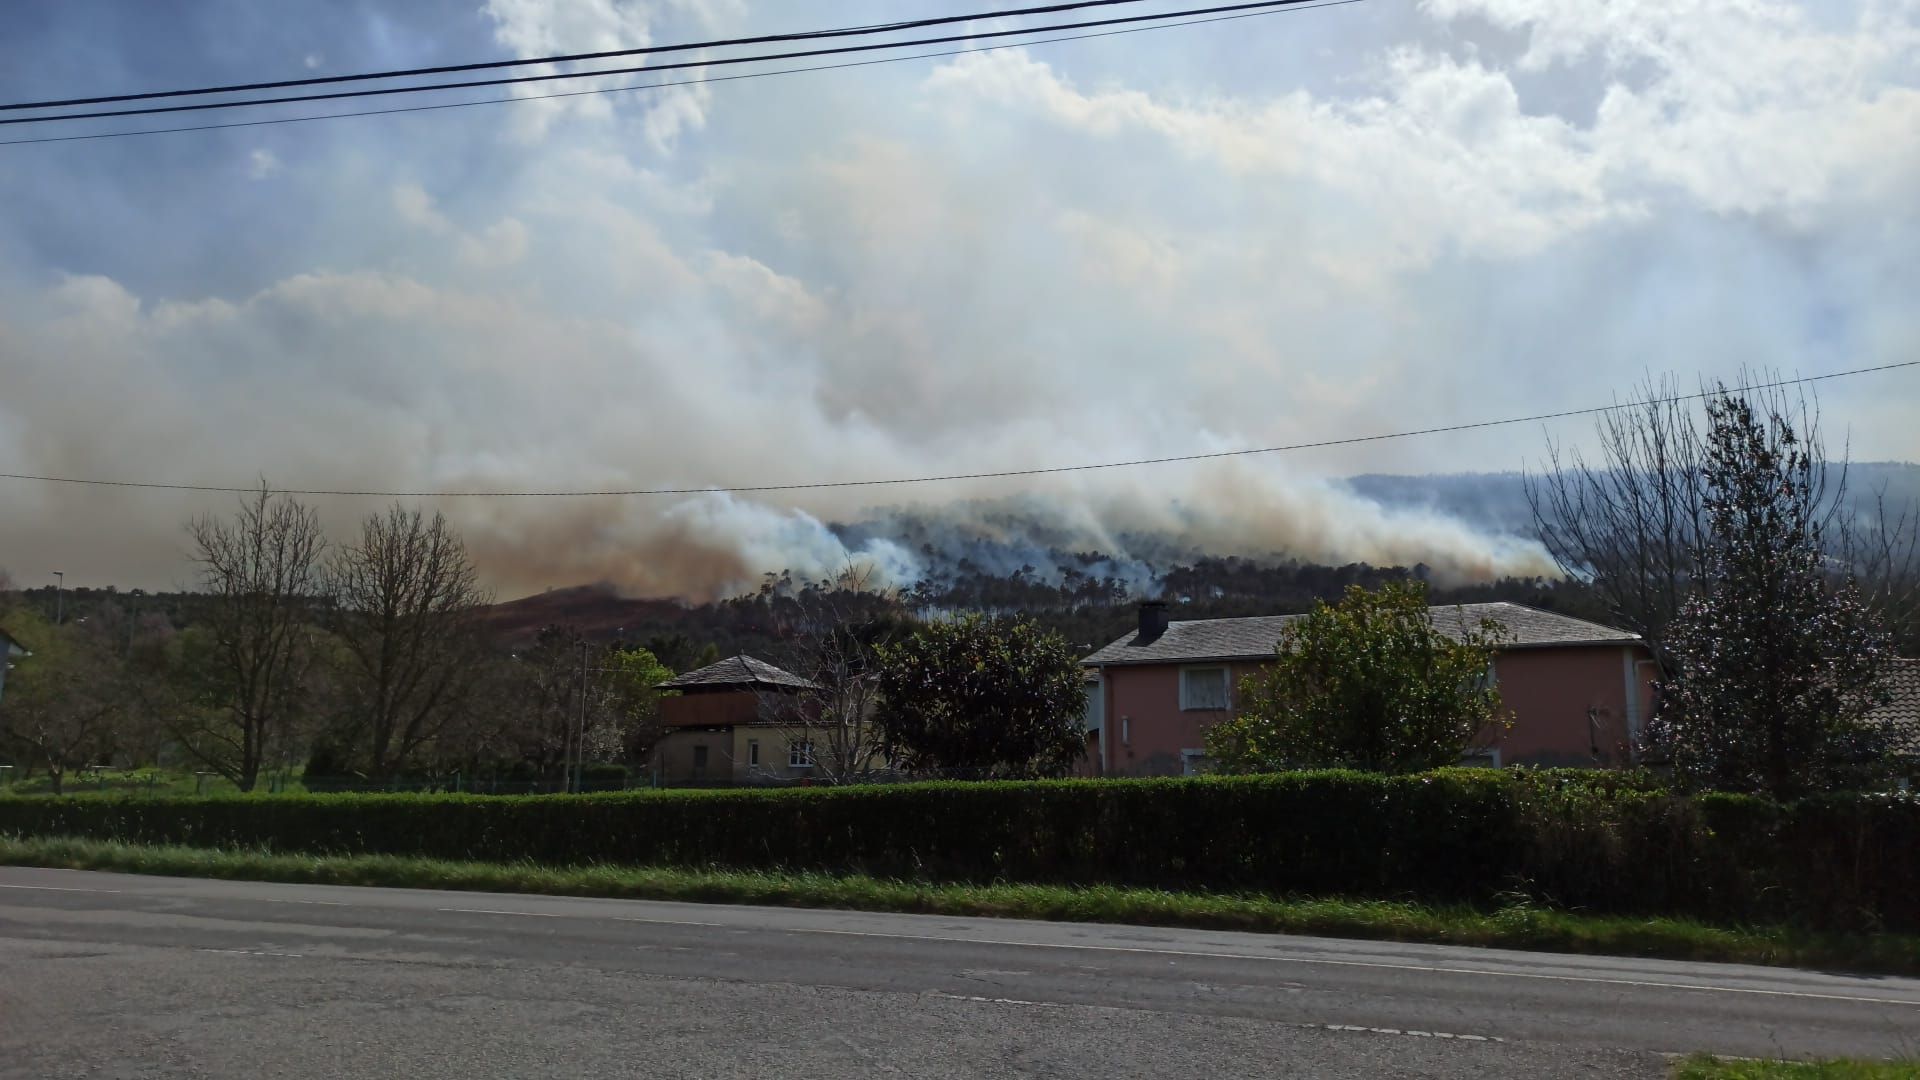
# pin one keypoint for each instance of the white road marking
(1408, 1032)
(1400, 1031)
(997, 1000)
(497, 911)
(662, 922)
(251, 952)
(56, 888)
(1428, 968)
(316, 903)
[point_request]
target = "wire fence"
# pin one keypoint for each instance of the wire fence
(157, 783)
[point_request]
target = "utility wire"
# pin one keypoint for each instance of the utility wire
(838, 50)
(494, 65)
(994, 475)
(667, 84)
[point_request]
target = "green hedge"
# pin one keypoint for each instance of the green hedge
(1584, 841)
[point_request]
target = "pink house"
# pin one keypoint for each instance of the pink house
(1579, 692)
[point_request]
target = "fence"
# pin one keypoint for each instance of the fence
(160, 782)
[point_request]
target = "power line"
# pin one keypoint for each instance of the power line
(489, 65)
(994, 475)
(470, 84)
(1310, 6)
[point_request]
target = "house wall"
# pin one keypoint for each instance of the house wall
(673, 757)
(1144, 730)
(710, 709)
(729, 756)
(1573, 706)
(1549, 691)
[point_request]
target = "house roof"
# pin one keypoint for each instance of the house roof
(1901, 714)
(1254, 638)
(11, 647)
(742, 672)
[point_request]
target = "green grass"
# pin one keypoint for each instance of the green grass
(123, 782)
(1710, 1068)
(1512, 927)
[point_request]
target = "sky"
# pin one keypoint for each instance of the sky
(1372, 217)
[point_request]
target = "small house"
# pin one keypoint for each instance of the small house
(733, 722)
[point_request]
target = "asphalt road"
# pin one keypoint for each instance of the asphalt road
(105, 975)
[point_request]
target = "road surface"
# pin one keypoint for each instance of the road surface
(105, 975)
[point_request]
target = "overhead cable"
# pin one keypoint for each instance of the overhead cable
(744, 489)
(470, 84)
(663, 85)
(490, 65)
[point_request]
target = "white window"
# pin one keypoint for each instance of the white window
(1481, 757)
(1203, 688)
(1194, 763)
(800, 755)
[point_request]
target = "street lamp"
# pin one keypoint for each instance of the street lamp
(59, 597)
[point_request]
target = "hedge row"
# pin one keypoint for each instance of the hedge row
(1595, 842)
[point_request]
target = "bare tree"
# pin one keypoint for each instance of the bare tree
(402, 601)
(260, 570)
(1880, 547)
(1631, 520)
(835, 653)
(532, 714)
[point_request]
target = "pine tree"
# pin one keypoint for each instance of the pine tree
(1776, 659)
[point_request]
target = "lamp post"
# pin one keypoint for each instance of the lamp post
(59, 597)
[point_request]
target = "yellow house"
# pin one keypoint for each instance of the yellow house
(739, 721)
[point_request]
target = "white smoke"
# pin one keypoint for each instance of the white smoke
(999, 264)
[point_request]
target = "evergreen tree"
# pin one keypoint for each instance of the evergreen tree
(1776, 659)
(982, 698)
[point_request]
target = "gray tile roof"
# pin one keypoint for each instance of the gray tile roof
(9, 644)
(1901, 715)
(1254, 638)
(743, 672)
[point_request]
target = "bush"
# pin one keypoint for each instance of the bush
(1612, 843)
(1368, 683)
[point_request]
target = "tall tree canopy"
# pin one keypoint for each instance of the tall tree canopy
(982, 698)
(1776, 660)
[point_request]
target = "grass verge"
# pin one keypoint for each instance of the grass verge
(1711, 1068)
(1513, 927)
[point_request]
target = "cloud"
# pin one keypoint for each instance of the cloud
(499, 244)
(262, 163)
(565, 27)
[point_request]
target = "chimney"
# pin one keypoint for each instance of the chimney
(1153, 620)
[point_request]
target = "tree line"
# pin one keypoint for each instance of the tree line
(362, 660)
